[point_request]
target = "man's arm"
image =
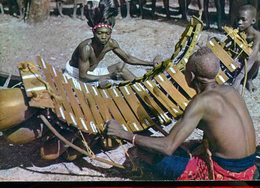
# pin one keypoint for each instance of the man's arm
(84, 65)
(166, 145)
(128, 58)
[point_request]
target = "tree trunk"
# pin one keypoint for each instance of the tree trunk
(39, 11)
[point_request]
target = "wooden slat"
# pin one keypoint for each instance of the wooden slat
(137, 107)
(194, 28)
(67, 108)
(88, 119)
(222, 55)
(182, 41)
(35, 89)
(99, 122)
(184, 37)
(75, 114)
(179, 78)
(59, 109)
(172, 91)
(129, 117)
(160, 96)
(103, 109)
(57, 103)
(86, 108)
(149, 101)
(221, 77)
(114, 110)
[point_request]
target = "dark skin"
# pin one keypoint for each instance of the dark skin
(204, 7)
(90, 52)
(218, 110)
(245, 22)
(220, 5)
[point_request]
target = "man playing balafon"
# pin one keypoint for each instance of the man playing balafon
(221, 113)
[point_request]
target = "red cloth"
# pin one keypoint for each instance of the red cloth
(197, 169)
(222, 174)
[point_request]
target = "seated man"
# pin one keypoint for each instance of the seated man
(218, 110)
(246, 20)
(90, 52)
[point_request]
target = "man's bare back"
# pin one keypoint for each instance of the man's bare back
(226, 122)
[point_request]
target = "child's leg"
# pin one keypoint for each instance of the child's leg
(206, 12)
(1, 9)
(252, 75)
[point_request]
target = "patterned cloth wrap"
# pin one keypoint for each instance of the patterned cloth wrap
(204, 166)
(197, 169)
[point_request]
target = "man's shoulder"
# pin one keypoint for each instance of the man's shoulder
(203, 98)
(84, 43)
(113, 43)
(211, 96)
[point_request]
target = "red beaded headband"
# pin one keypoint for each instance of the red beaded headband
(101, 25)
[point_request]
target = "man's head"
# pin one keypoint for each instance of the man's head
(246, 17)
(102, 34)
(102, 16)
(202, 64)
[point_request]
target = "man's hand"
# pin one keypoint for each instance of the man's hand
(113, 129)
(103, 83)
(116, 75)
(157, 60)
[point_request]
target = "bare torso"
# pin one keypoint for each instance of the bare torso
(254, 36)
(226, 123)
(95, 55)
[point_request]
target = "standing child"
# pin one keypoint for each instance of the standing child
(246, 20)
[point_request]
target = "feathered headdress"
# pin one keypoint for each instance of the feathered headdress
(103, 15)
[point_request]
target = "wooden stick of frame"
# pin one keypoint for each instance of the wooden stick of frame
(74, 146)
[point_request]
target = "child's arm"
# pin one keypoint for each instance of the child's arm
(250, 62)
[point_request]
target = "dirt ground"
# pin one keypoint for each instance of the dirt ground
(55, 41)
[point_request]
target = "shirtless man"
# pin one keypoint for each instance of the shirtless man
(246, 20)
(90, 52)
(221, 113)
